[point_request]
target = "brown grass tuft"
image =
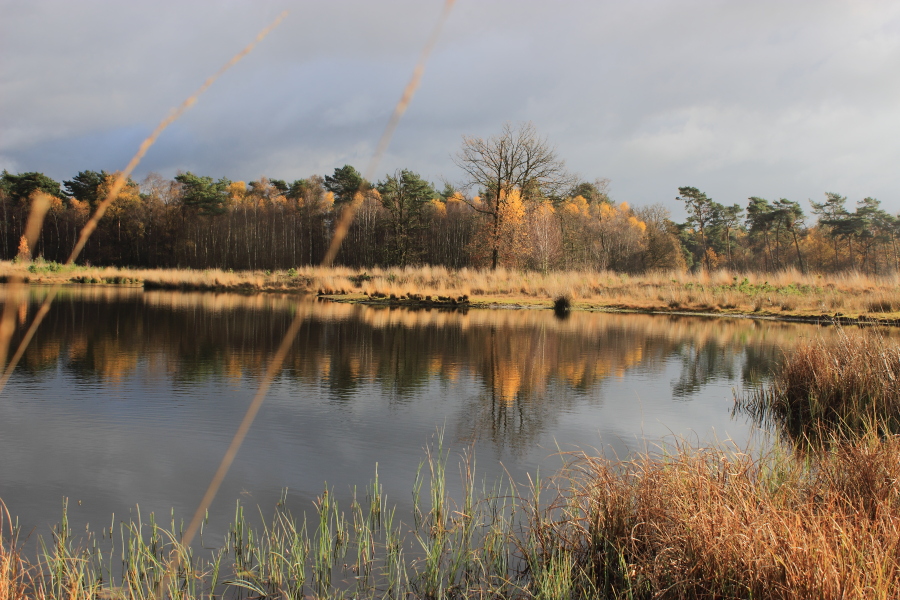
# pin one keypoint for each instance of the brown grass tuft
(714, 523)
(12, 568)
(844, 386)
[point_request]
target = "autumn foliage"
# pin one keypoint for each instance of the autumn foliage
(201, 223)
(23, 254)
(198, 222)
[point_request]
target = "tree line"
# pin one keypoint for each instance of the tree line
(775, 235)
(517, 207)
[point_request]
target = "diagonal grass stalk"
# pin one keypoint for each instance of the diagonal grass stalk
(38, 209)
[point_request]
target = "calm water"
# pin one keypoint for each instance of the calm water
(128, 398)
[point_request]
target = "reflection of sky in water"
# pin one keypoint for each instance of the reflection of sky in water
(134, 401)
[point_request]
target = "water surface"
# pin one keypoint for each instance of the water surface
(129, 398)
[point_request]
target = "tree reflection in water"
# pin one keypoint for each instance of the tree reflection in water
(528, 364)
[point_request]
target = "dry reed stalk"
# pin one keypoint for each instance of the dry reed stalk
(91, 226)
(114, 190)
(40, 204)
(844, 386)
(714, 523)
(244, 427)
(340, 232)
(12, 567)
(343, 225)
(123, 176)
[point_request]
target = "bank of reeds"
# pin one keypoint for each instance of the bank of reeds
(786, 293)
(708, 523)
(682, 522)
(836, 387)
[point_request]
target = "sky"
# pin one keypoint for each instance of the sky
(777, 99)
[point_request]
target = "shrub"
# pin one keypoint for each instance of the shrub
(840, 388)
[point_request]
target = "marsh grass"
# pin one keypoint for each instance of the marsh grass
(836, 388)
(715, 523)
(781, 294)
(12, 567)
(361, 550)
(680, 521)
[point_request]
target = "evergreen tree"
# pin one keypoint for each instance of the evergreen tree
(702, 213)
(760, 217)
(84, 187)
(345, 183)
(202, 194)
(404, 195)
(831, 213)
(20, 187)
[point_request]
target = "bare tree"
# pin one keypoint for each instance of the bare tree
(517, 159)
(167, 191)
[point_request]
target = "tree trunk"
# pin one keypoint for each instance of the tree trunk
(495, 252)
(799, 256)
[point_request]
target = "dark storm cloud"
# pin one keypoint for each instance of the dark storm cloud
(765, 98)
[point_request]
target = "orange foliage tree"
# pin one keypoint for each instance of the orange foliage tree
(517, 160)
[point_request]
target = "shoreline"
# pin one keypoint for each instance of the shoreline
(843, 299)
(512, 304)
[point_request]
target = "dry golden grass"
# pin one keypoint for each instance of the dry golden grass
(12, 567)
(713, 523)
(787, 293)
(840, 386)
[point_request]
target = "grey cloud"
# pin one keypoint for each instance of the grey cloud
(765, 98)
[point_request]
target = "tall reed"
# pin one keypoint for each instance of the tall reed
(840, 387)
(12, 567)
(715, 523)
(679, 522)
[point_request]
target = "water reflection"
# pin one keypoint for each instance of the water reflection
(518, 356)
(135, 394)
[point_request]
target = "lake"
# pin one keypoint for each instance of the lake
(128, 398)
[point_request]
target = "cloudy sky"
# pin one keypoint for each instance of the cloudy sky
(786, 98)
